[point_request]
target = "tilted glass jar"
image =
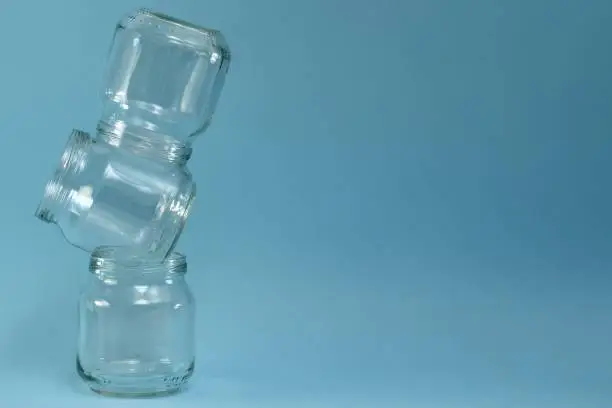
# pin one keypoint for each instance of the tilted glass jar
(135, 199)
(136, 325)
(164, 78)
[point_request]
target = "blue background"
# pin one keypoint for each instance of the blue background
(401, 203)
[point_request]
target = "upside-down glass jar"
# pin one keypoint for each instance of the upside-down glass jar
(164, 79)
(136, 326)
(136, 202)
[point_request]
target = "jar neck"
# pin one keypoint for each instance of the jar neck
(143, 142)
(57, 197)
(115, 265)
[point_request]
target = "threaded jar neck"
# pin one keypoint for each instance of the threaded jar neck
(143, 142)
(108, 260)
(73, 160)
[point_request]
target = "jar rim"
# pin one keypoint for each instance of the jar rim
(55, 195)
(110, 259)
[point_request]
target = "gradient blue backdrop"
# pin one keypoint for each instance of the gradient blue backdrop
(401, 203)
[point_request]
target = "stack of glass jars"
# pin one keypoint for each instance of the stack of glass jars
(125, 195)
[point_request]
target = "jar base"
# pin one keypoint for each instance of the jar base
(136, 385)
(136, 392)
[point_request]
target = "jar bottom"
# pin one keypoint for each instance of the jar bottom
(143, 383)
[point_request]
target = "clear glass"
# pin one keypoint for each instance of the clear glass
(136, 326)
(101, 195)
(164, 77)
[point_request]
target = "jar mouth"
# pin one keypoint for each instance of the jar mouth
(143, 142)
(55, 194)
(112, 258)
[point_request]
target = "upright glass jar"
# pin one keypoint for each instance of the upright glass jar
(136, 326)
(135, 199)
(164, 78)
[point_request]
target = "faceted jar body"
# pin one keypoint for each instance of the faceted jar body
(164, 77)
(101, 195)
(136, 326)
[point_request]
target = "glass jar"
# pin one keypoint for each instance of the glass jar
(136, 326)
(164, 78)
(134, 199)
